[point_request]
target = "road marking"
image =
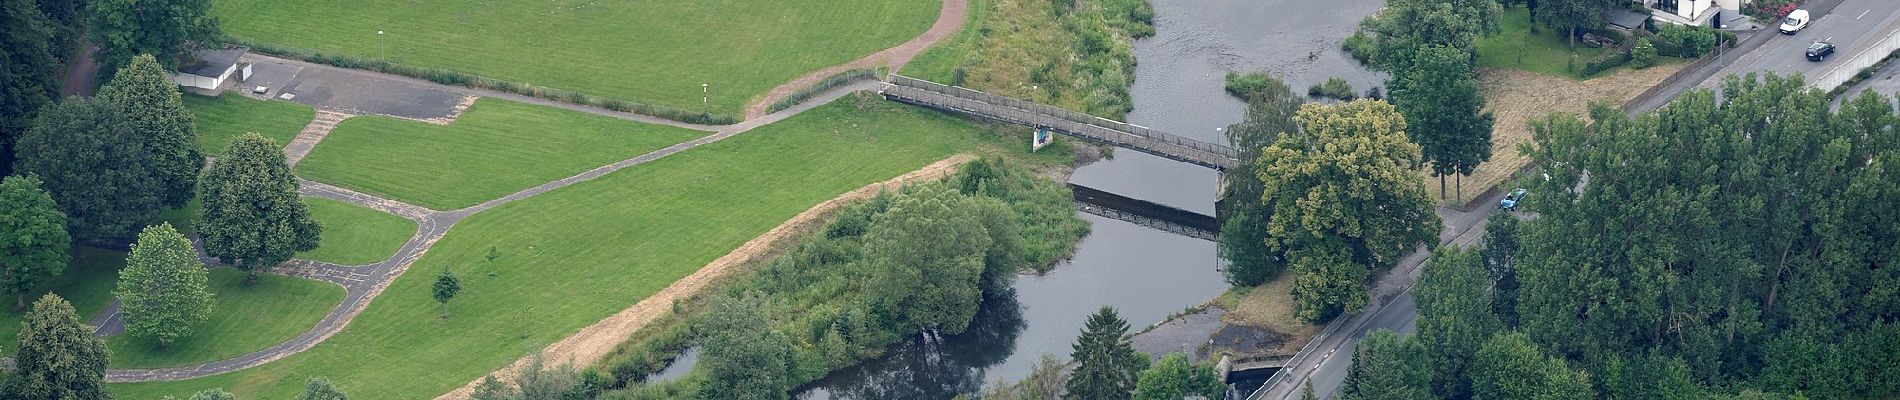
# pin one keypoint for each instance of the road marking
(1863, 14)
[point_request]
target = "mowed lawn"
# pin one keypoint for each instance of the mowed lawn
(87, 283)
(495, 148)
(573, 256)
(244, 318)
(356, 235)
(656, 52)
(1544, 52)
(221, 119)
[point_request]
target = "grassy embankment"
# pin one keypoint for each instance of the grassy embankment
(573, 256)
(647, 52)
(1075, 57)
(495, 148)
(244, 318)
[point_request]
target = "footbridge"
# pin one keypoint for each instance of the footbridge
(1000, 108)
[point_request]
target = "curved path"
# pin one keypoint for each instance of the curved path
(363, 284)
(949, 20)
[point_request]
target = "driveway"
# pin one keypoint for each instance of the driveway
(1853, 26)
(352, 91)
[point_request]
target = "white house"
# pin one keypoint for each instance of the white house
(209, 69)
(1692, 12)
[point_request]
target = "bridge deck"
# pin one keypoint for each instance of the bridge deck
(1134, 137)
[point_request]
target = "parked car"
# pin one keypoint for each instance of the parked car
(1794, 22)
(1820, 50)
(1511, 200)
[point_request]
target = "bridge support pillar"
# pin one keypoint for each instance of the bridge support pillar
(1220, 196)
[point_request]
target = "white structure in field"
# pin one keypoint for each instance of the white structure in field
(210, 69)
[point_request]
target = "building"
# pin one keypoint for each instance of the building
(1693, 12)
(210, 69)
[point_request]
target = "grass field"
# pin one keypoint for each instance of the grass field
(656, 52)
(939, 62)
(221, 119)
(356, 235)
(244, 318)
(87, 283)
(493, 149)
(1545, 52)
(575, 255)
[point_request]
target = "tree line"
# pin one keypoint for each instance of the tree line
(1739, 245)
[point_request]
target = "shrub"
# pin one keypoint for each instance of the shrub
(1687, 41)
(1334, 88)
(1244, 86)
(1609, 59)
(1643, 55)
(1360, 46)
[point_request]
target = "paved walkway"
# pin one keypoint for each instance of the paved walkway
(307, 139)
(949, 21)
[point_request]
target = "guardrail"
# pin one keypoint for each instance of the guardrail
(1299, 357)
(1027, 112)
(1865, 58)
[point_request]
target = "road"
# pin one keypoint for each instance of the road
(1852, 26)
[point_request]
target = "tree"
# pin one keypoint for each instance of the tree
(1106, 365)
(33, 240)
(1454, 318)
(927, 262)
(58, 358)
(1406, 26)
(211, 394)
(446, 286)
(252, 216)
(1508, 366)
(1500, 253)
(125, 28)
(1306, 393)
(320, 388)
(1381, 370)
(1444, 112)
(89, 158)
(1271, 106)
(1571, 16)
(1175, 378)
(742, 357)
(537, 381)
(162, 289)
(1342, 198)
(27, 81)
(150, 100)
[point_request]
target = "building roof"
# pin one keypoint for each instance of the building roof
(211, 63)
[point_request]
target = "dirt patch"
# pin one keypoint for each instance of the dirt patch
(949, 20)
(1516, 97)
(1269, 307)
(590, 344)
(1247, 341)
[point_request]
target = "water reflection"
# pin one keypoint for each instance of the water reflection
(926, 369)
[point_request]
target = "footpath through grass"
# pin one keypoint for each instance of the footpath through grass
(573, 256)
(656, 52)
(494, 149)
(221, 119)
(1544, 52)
(87, 283)
(244, 318)
(356, 235)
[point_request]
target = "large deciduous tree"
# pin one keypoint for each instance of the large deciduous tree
(1243, 236)
(164, 28)
(1454, 318)
(1106, 365)
(320, 388)
(1444, 112)
(1406, 26)
(90, 158)
(1174, 378)
(1382, 369)
(27, 79)
(1508, 366)
(1343, 199)
(743, 357)
(158, 116)
(58, 357)
(1571, 16)
(927, 257)
(163, 288)
(33, 242)
(252, 216)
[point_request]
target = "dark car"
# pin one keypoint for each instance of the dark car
(1820, 50)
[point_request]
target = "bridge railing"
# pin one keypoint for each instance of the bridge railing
(1108, 128)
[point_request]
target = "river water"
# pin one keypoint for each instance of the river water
(1145, 274)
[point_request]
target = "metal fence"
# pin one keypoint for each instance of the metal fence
(1093, 127)
(1865, 58)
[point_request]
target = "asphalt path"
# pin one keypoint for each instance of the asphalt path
(1852, 27)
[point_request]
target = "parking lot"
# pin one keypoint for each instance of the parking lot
(1852, 27)
(350, 91)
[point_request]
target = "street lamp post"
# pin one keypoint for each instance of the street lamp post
(705, 98)
(382, 46)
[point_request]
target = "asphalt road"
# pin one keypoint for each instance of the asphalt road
(1852, 26)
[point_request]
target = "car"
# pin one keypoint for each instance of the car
(1511, 200)
(1795, 21)
(1820, 50)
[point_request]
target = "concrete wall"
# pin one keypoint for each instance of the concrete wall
(203, 82)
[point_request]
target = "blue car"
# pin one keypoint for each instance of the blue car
(1511, 200)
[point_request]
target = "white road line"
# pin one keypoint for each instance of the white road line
(1863, 14)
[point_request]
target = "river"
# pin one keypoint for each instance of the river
(1144, 274)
